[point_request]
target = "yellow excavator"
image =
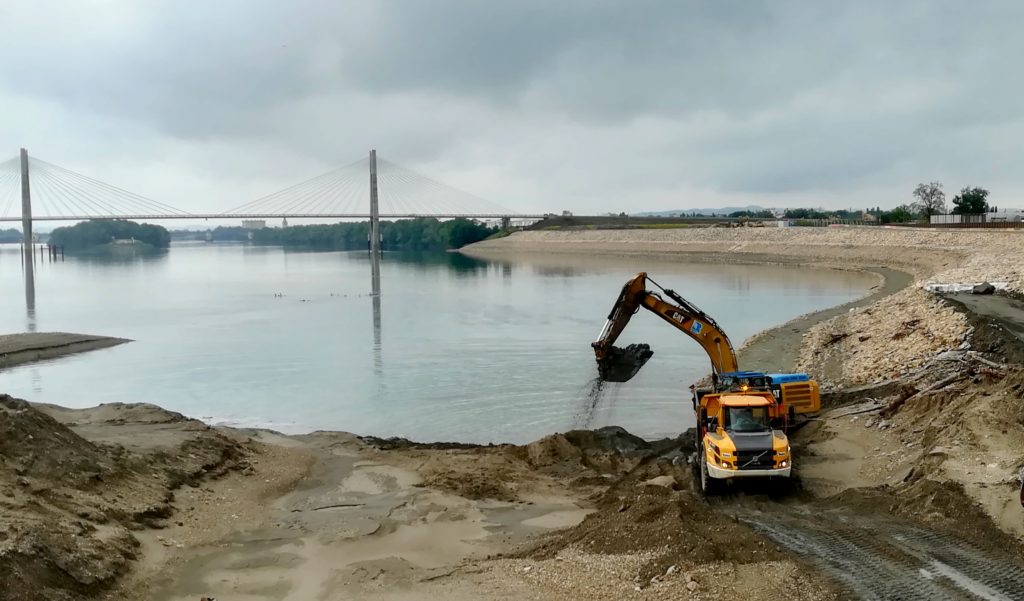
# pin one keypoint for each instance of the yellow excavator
(742, 419)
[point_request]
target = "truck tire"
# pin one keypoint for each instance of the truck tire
(708, 486)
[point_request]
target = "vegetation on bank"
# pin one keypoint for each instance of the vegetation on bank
(231, 233)
(10, 235)
(89, 234)
(405, 234)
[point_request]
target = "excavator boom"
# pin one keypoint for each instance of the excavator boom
(617, 364)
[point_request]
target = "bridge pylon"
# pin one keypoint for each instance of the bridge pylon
(26, 207)
(374, 207)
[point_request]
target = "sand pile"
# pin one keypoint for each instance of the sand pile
(68, 504)
(582, 458)
(653, 534)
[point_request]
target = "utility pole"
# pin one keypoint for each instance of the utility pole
(374, 207)
(26, 207)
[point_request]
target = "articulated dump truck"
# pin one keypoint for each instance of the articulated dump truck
(742, 419)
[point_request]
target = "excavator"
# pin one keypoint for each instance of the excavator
(743, 418)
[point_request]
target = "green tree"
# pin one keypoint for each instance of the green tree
(931, 200)
(901, 214)
(92, 233)
(805, 214)
(404, 234)
(971, 201)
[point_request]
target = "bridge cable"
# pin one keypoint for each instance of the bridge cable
(10, 188)
(63, 188)
(132, 200)
(435, 197)
(97, 206)
(323, 198)
(299, 202)
(98, 200)
(57, 188)
(324, 202)
(425, 202)
(401, 196)
(287, 194)
(478, 205)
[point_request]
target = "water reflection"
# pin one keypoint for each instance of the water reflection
(457, 263)
(30, 296)
(375, 292)
(560, 271)
(117, 255)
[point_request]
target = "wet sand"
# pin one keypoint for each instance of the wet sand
(16, 349)
(778, 348)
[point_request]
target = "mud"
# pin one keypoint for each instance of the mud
(621, 364)
(16, 349)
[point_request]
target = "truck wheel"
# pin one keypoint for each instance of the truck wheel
(707, 483)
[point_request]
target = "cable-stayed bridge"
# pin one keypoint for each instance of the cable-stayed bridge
(32, 189)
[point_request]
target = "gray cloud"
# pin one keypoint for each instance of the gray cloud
(591, 106)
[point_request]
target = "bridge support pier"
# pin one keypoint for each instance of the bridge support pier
(506, 223)
(374, 207)
(26, 207)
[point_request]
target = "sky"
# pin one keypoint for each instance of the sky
(583, 105)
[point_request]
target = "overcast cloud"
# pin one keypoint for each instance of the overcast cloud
(583, 105)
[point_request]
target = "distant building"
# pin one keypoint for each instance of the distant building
(254, 224)
(869, 218)
(566, 213)
(284, 222)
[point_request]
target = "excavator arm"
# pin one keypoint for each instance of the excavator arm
(617, 364)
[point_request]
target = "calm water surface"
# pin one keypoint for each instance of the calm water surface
(452, 349)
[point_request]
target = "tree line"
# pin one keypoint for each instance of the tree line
(405, 234)
(10, 235)
(931, 200)
(88, 234)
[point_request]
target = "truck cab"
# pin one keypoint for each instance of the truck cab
(740, 435)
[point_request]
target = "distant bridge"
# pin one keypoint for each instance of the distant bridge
(369, 188)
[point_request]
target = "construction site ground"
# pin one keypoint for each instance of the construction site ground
(906, 486)
(897, 497)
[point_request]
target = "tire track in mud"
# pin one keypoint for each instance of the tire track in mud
(882, 559)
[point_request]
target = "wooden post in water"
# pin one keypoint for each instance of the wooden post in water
(374, 207)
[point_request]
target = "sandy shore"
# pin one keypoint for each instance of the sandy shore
(840, 346)
(16, 349)
(900, 482)
(941, 255)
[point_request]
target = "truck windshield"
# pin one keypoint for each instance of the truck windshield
(734, 384)
(747, 419)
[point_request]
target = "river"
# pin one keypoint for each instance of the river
(453, 348)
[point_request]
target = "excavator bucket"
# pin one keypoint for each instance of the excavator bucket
(621, 364)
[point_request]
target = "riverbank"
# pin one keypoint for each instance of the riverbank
(842, 346)
(941, 255)
(898, 486)
(16, 349)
